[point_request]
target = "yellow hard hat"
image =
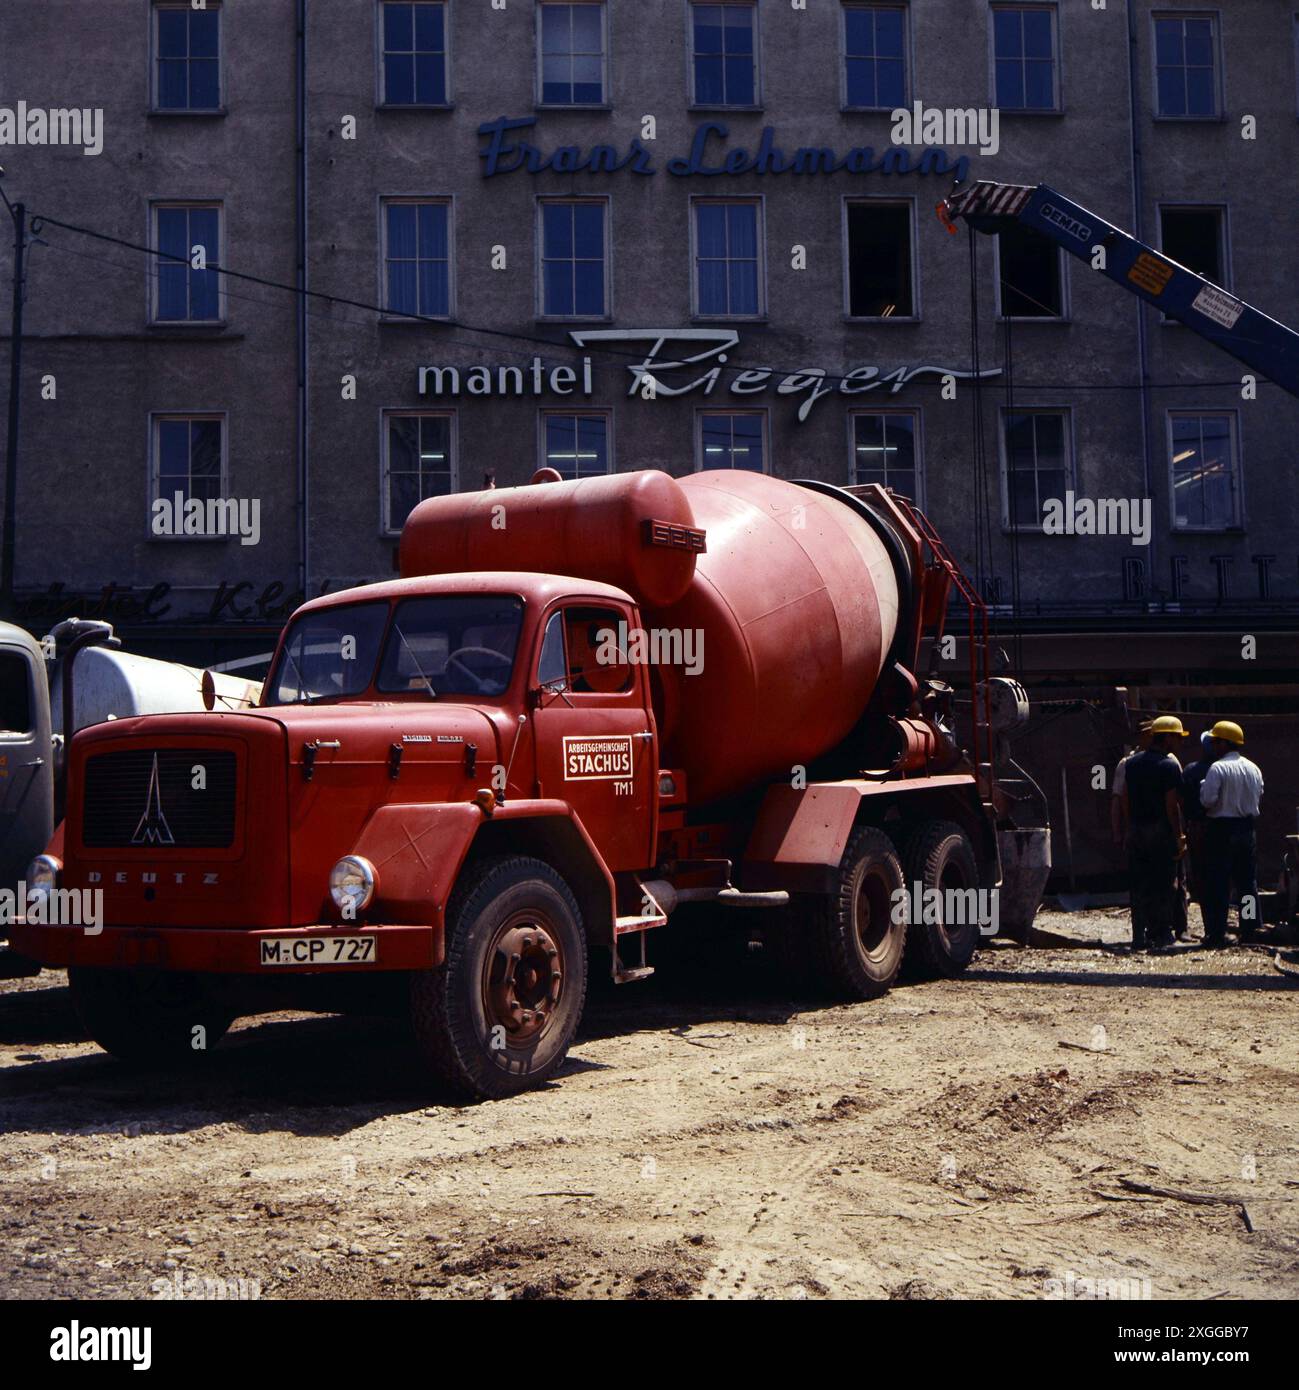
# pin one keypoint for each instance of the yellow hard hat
(1229, 732)
(1169, 724)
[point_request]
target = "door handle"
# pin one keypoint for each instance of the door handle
(645, 735)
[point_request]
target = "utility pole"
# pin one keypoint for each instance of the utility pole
(19, 213)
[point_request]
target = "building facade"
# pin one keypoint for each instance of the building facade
(612, 235)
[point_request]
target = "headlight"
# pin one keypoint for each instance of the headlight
(351, 884)
(42, 876)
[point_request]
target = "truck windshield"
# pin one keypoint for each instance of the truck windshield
(329, 654)
(460, 644)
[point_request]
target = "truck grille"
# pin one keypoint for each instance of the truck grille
(147, 798)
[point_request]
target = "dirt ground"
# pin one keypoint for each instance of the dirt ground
(712, 1136)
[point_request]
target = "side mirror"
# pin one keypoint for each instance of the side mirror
(209, 691)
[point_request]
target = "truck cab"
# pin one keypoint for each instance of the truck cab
(401, 725)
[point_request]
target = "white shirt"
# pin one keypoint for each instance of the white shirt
(1233, 786)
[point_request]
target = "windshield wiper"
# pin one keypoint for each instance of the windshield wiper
(423, 675)
(304, 697)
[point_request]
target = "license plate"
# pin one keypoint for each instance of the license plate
(319, 950)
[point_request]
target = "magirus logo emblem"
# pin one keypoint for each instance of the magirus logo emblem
(153, 828)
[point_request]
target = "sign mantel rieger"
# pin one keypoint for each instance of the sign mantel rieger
(676, 362)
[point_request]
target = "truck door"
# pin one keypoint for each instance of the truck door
(594, 739)
(26, 760)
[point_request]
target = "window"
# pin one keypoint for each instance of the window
(417, 257)
(454, 644)
(594, 663)
(1204, 462)
(1186, 66)
(1195, 238)
(874, 46)
(188, 459)
(733, 441)
(187, 58)
(15, 694)
(574, 280)
(573, 54)
(884, 451)
(328, 654)
(724, 54)
(188, 238)
(1024, 57)
(418, 462)
(575, 445)
(880, 277)
(1037, 464)
(1030, 275)
(728, 259)
(413, 41)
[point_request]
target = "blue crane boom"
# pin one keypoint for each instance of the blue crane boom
(1252, 337)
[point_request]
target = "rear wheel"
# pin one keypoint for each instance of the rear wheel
(148, 1016)
(858, 931)
(498, 1016)
(939, 857)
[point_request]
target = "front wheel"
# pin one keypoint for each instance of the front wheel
(858, 932)
(148, 1017)
(498, 1016)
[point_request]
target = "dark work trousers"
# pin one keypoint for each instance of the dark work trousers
(1152, 881)
(1179, 899)
(1196, 854)
(1229, 863)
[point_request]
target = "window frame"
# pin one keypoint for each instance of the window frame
(154, 455)
(606, 93)
(759, 202)
(387, 530)
(544, 413)
(153, 283)
(154, 109)
(693, 102)
(908, 48)
(916, 415)
(1214, 17)
(1003, 452)
(544, 200)
(1052, 8)
(447, 200)
(1062, 270)
(761, 412)
(1238, 524)
(881, 200)
(381, 101)
(634, 691)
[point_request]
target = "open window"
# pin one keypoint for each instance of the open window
(584, 652)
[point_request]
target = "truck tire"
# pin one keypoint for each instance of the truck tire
(856, 943)
(939, 855)
(148, 1017)
(498, 1016)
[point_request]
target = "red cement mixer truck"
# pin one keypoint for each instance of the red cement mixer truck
(582, 705)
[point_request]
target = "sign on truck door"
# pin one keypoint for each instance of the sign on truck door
(593, 740)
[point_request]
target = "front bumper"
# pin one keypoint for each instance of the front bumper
(224, 950)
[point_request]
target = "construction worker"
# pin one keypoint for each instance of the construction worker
(1196, 818)
(1230, 793)
(1153, 805)
(1119, 829)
